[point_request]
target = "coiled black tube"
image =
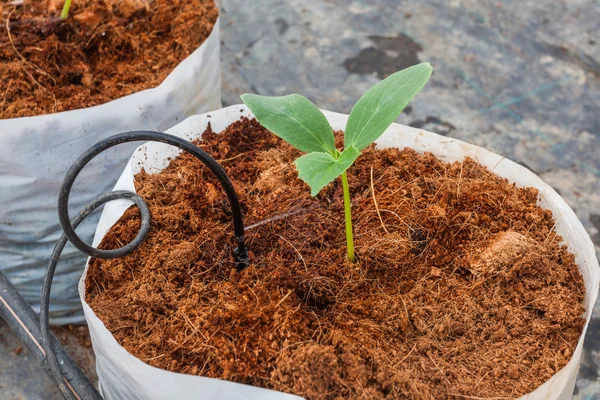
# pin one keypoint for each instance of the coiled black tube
(240, 253)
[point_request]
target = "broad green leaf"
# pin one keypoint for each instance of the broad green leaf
(318, 169)
(294, 119)
(374, 112)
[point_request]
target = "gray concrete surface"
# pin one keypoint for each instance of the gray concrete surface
(21, 377)
(521, 78)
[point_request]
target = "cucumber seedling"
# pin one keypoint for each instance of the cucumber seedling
(300, 123)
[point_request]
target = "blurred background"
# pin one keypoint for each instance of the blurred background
(521, 78)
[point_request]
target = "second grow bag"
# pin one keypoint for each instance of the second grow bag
(35, 153)
(125, 377)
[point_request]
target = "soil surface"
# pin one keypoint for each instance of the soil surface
(462, 289)
(105, 50)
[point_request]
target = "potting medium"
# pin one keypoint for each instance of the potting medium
(124, 376)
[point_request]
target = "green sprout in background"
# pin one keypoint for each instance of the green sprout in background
(300, 123)
(65, 11)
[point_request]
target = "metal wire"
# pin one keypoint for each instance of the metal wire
(240, 252)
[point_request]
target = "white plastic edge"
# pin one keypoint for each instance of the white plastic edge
(123, 376)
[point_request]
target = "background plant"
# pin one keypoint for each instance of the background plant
(300, 123)
(64, 14)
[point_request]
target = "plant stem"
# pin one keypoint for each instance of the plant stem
(65, 11)
(348, 216)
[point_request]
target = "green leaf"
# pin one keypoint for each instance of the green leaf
(318, 169)
(294, 119)
(374, 112)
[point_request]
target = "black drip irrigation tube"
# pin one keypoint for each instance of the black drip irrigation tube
(35, 333)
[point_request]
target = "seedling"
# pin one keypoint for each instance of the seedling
(300, 123)
(65, 11)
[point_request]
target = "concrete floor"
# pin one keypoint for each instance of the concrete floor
(21, 377)
(521, 78)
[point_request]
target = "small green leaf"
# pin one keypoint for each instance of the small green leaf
(294, 119)
(318, 169)
(375, 111)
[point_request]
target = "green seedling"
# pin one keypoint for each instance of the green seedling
(300, 123)
(65, 11)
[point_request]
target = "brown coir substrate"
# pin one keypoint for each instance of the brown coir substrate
(106, 49)
(462, 289)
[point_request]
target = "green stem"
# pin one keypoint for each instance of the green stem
(348, 216)
(65, 11)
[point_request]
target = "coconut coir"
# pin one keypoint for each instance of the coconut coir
(462, 287)
(105, 50)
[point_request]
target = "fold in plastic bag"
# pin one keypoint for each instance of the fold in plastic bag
(35, 153)
(123, 376)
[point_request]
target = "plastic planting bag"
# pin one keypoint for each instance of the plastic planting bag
(35, 153)
(123, 376)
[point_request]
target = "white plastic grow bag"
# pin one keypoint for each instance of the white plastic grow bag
(123, 376)
(35, 153)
